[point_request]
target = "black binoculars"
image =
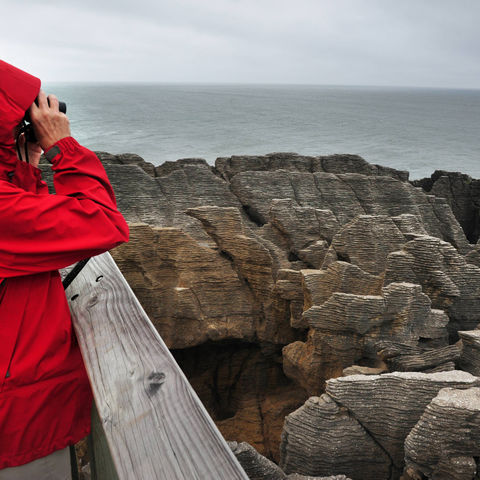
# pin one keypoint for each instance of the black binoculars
(28, 130)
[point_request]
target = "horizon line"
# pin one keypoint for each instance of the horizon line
(253, 84)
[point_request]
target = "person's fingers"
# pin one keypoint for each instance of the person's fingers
(42, 100)
(54, 104)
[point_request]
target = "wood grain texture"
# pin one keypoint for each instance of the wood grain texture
(101, 462)
(154, 423)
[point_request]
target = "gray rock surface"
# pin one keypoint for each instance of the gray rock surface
(451, 283)
(322, 438)
(256, 466)
(347, 195)
(296, 476)
(191, 294)
(366, 242)
(359, 370)
(339, 276)
(127, 159)
(470, 358)
(257, 261)
(321, 263)
(445, 443)
(308, 231)
(425, 360)
(230, 166)
(347, 328)
(388, 406)
(462, 192)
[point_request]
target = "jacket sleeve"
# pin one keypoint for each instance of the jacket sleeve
(29, 178)
(41, 232)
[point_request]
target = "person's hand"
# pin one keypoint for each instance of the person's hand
(34, 151)
(50, 125)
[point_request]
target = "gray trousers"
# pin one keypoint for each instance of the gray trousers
(55, 466)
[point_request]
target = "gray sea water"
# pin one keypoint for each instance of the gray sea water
(419, 130)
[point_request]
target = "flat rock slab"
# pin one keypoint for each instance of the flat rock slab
(388, 406)
(445, 443)
(256, 466)
(470, 358)
(322, 438)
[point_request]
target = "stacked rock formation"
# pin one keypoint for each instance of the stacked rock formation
(438, 446)
(270, 277)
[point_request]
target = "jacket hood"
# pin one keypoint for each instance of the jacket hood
(18, 90)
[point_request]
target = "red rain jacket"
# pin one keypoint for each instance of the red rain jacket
(45, 397)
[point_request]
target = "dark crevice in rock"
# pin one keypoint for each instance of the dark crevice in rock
(253, 215)
(243, 387)
(343, 257)
(226, 255)
(214, 369)
(293, 257)
(425, 184)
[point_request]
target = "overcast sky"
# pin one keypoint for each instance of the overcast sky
(333, 42)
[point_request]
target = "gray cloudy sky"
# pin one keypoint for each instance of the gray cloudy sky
(347, 42)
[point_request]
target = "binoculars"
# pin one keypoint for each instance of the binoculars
(28, 129)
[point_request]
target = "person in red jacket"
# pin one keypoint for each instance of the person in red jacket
(45, 397)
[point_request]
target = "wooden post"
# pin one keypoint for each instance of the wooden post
(154, 424)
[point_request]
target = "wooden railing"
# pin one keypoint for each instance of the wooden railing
(148, 423)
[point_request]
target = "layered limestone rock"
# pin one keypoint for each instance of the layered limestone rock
(388, 406)
(230, 166)
(365, 242)
(335, 262)
(462, 193)
(451, 283)
(347, 196)
(257, 261)
(256, 466)
(442, 357)
(322, 438)
(348, 328)
(366, 247)
(308, 231)
(339, 276)
(303, 217)
(190, 293)
(445, 443)
(361, 423)
(470, 357)
(127, 159)
(289, 287)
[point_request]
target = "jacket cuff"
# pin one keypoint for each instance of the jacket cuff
(65, 145)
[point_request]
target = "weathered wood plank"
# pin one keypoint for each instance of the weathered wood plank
(154, 423)
(101, 462)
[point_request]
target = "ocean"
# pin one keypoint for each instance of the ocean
(419, 130)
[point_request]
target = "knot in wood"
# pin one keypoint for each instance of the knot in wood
(92, 301)
(155, 381)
